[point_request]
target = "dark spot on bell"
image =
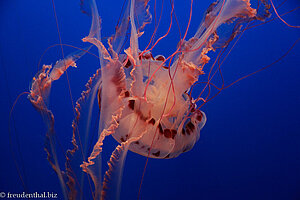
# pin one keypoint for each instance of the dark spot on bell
(174, 133)
(118, 81)
(167, 133)
(156, 154)
(148, 149)
(190, 126)
(140, 114)
(152, 121)
(123, 140)
(142, 117)
(160, 128)
(131, 104)
(126, 93)
(99, 97)
(183, 131)
(147, 56)
(128, 63)
(137, 142)
(188, 131)
(168, 156)
(160, 58)
(199, 117)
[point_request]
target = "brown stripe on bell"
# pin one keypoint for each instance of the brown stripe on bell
(174, 133)
(151, 121)
(99, 97)
(160, 129)
(183, 131)
(131, 104)
(170, 133)
(160, 58)
(190, 127)
(141, 116)
(167, 156)
(127, 63)
(118, 80)
(124, 140)
(146, 56)
(126, 94)
(156, 154)
(199, 116)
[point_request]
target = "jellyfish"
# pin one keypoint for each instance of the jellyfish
(145, 100)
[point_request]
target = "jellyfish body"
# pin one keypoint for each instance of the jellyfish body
(164, 122)
(143, 99)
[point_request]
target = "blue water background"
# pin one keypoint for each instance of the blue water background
(248, 149)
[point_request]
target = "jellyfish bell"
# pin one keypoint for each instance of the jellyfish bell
(164, 120)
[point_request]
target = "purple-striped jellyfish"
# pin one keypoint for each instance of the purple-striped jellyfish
(145, 100)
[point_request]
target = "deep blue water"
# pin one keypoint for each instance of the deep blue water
(248, 149)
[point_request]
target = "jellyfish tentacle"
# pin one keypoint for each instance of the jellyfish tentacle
(113, 176)
(142, 16)
(139, 17)
(62, 65)
(39, 94)
(199, 45)
(275, 10)
(132, 53)
(113, 88)
(95, 156)
(112, 85)
(50, 148)
(111, 114)
(41, 84)
(121, 31)
(70, 152)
